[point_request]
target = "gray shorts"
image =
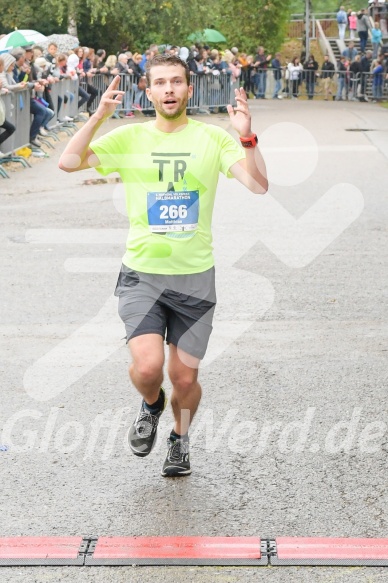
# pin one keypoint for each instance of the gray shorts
(178, 307)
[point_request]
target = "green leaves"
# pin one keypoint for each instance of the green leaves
(263, 23)
(108, 23)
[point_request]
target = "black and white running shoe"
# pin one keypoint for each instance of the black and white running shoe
(177, 462)
(142, 434)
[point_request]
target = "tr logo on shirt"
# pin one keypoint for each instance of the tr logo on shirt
(164, 162)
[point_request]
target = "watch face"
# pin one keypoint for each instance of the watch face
(249, 142)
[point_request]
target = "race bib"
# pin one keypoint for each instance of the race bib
(173, 211)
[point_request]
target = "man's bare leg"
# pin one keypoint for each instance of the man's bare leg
(146, 369)
(146, 372)
(186, 394)
(185, 398)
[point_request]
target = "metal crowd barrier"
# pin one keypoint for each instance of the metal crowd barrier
(17, 112)
(210, 91)
(64, 96)
(345, 85)
(372, 89)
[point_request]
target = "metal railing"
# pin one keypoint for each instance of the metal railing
(297, 29)
(64, 96)
(211, 94)
(17, 108)
(337, 86)
(17, 112)
(209, 91)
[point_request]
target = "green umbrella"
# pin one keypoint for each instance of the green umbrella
(210, 35)
(20, 38)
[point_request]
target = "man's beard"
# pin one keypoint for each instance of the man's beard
(166, 115)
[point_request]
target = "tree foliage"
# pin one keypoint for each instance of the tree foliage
(254, 22)
(108, 23)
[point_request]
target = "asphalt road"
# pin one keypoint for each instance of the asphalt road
(291, 435)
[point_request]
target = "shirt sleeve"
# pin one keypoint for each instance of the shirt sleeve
(107, 149)
(230, 153)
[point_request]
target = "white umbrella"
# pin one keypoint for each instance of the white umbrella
(20, 38)
(64, 42)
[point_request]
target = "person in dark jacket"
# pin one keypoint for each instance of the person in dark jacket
(100, 62)
(310, 72)
(134, 64)
(328, 71)
(355, 77)
(342, 70)
(261, 64)
(363, 26)
(277, 74)
(89, 71)
(365, 63)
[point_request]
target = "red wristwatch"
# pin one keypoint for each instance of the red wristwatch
(250, 142)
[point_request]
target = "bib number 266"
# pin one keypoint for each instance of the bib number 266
(173, 211)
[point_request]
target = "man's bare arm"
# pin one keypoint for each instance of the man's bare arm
(77, 154)
(251, 171)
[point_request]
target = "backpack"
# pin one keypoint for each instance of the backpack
(340, 17)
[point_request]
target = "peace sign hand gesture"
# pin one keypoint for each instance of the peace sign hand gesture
(240, 116)
(109, 100)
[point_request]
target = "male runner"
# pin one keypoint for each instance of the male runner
(170, 168)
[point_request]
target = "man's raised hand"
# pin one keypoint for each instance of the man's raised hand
(110, 100)
(240, 116)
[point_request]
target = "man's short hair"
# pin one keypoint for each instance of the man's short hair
(17, 53)
(160, 60)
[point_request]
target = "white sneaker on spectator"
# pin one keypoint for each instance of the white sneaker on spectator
(43, 132)
(67, 118)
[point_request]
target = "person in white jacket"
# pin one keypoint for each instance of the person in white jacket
(72, 69)
(295, 69)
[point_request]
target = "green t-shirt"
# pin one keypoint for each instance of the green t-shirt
(170, 182)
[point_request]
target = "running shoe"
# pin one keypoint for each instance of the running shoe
(142, 434)
(177, 462)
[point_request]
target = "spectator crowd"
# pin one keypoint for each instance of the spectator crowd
(33, 68)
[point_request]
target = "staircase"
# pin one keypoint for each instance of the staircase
(334, 45)
(335, 48)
